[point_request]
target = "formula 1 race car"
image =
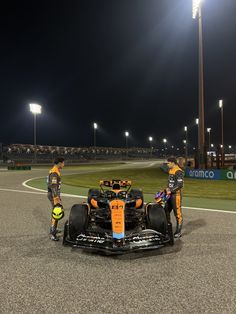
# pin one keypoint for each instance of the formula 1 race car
(115, 220)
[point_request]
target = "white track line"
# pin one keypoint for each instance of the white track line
(211, 210)
(40, 190)
(81, 196)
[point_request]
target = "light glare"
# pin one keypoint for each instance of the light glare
(195, 9)
(126, 133)
(35, 108)
(221, 103)
(95, 125)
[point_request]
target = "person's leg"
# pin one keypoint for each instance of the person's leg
(53, 227)
(176, 203)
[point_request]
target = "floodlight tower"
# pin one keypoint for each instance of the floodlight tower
(209, 138)
(35, 109)
(95, 126)
(126, 142)
(222, 131)
(197, 13)
(150, 141)
(186, 145)
(165, 143)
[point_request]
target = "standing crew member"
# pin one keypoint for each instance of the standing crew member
(175, 184)
(54, 190)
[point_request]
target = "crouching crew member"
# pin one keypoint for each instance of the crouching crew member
(54, 190)
(175, 184)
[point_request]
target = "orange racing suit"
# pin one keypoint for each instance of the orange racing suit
(175, 184)
(54, 190)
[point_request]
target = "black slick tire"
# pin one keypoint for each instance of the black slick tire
(78, 220)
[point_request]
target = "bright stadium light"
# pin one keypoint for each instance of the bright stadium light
(150, 138)
(185, 128)
(126, 133)
(95, 126)
(35, 109)
(197, 121)
(196, 7)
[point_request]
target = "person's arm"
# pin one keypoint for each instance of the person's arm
(179, 181)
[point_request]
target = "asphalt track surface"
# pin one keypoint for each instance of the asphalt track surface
(37, 275)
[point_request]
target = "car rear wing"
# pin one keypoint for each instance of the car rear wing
(110, 183)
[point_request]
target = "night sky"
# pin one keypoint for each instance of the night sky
(125, 64)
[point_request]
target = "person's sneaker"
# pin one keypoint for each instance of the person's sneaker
(54, 237)
(178, 234)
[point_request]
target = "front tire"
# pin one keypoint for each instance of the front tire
(156, 218)
(78, 220)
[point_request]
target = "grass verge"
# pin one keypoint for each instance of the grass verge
(197, 193)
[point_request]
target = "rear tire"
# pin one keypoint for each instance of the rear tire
(78, 220)
(156, 218)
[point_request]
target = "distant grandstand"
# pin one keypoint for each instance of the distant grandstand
(26, 152)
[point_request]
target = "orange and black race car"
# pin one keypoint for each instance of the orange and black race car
(115, 220)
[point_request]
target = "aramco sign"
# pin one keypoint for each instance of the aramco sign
(211, 174)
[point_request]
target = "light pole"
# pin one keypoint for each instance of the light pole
(95, 126)
(197, 12)
(222, 132)
(126, 142)
(198, 151)
(186, 145)
(150, 140)
(164, 141)
(35, 109)
(209, 138)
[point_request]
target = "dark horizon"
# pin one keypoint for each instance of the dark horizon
(127, 65)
